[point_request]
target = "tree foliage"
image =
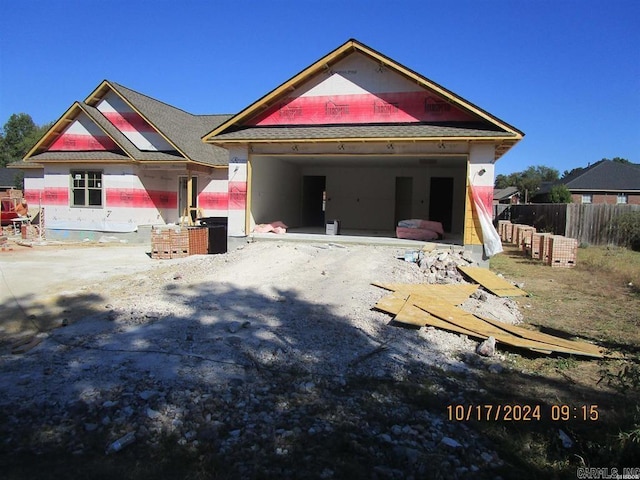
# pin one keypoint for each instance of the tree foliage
(528, 181)
(560, 194)
(18, 135)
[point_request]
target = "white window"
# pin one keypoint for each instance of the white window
(587, 198)
(86, 188)
(622, 198)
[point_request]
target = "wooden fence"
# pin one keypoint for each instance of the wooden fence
(590, 224)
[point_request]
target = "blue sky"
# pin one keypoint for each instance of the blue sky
(565, 72)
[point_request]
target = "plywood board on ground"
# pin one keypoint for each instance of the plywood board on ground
(480, 326)
(489, 280)
(435, 305)
(454, 293)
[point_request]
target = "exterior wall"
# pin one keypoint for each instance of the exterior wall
(481, 157)
(133, 198)
(279, 184)
(131, 124)
(358, 90)
(607, 198)
(33, 187)
(213, 196)
(237, 191)
(83, 135)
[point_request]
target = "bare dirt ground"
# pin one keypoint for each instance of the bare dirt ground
(254, 355)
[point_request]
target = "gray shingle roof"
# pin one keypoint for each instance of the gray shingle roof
(606, 175)
(504, 193)
(377, 131)
(103, 156)
(7, 177)
(182, 129)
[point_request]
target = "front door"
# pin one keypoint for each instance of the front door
(183, 195)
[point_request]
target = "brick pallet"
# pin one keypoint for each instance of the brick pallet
(523, 237)
(178, 242)
(502, 229)
(537, 245)
(169, 242)
(198, 241)
(563, 251)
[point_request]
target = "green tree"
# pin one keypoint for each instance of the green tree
(504, 181)
(618, 159)
(18, 135)
(560, 194)
(530, 180)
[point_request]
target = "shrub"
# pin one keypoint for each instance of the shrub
(627, 226)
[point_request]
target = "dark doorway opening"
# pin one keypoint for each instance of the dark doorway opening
(404, 199)
(313, 200)
(441, 201)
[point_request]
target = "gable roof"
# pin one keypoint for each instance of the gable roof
(181, 130)
(606, 175)
(237, 128)
(504, 193)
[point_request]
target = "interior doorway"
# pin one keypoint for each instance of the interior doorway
(404, 199)
(313, 200)
(441, 201)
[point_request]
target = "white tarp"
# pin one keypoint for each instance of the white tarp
(490, 238)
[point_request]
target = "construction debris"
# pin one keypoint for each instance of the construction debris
(487, 348)
(435, 305)
(490, 281)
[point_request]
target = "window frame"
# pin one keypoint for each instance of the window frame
(90, 178)
(588, 197)
(622, 196)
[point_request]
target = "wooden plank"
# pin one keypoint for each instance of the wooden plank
(416, 316)
(468, 321)
(434, 305)
(392, 303)
(455, 293)
(546, 338)
(492, 282)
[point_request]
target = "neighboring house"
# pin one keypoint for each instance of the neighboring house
(502, 198)
(7, 179)
(355, 136)
(604, 182)
(509, 196)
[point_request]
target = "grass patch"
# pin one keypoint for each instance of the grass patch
(598, 301)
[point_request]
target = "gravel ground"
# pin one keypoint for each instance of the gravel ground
(270, 356)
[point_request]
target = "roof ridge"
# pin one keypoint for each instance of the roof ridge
(127, 89)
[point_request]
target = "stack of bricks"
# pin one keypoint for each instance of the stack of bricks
(563, 251)
(502, 229)
(198, 241)
(526, 237)
(169, 242)
(554, 250)
(178, 242)
(538, 245)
